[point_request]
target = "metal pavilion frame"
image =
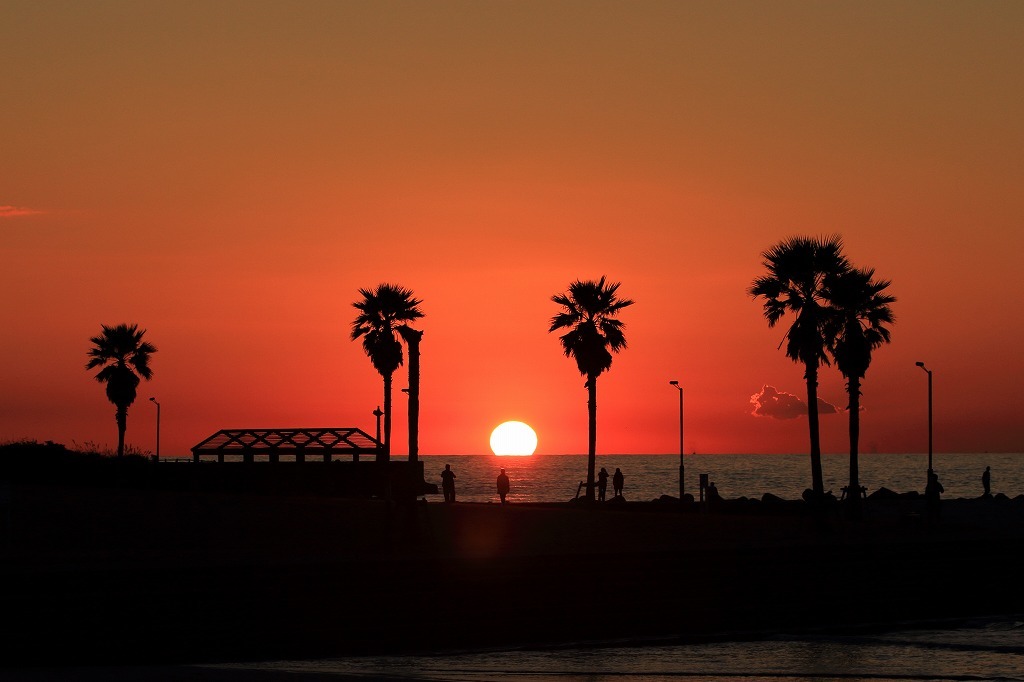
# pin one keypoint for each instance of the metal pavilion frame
(325, 443)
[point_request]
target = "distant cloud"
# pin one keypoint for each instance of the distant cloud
(771, 402)
(828, 408)
(16, 211)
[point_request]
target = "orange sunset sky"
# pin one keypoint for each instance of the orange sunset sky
(227, 175)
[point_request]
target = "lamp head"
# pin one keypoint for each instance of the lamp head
(153, 399)
(919, 364)
(674, 383)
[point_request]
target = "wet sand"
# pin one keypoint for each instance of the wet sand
(107, 576)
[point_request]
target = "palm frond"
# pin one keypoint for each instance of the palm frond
(384, 316)
(797, 268)
(862, 309)
(123, 357)
(588, 314)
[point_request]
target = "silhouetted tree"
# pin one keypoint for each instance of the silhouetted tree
(123, 357)
(857, 327)
(797, 268)
(589, 310)
(382, 313)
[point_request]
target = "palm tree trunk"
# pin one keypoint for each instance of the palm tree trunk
(592, 428)
(122, 425)
(817, 482)
(853, 491)
(386, 457)
(413, 337)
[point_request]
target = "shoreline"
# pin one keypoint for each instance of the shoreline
(102, 576)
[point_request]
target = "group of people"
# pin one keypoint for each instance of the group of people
(618, 480)
(504, 484)
(932, 491)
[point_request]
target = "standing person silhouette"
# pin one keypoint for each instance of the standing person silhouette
(503, 485)
(986, 481)
(602, 484)
(448, 483)
(617, 480)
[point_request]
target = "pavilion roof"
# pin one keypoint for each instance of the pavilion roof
(334, 440)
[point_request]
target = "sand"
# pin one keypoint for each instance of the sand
(114, 576)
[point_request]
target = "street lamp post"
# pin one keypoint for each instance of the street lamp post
(682, 469)
(378, 414)
(154, 401)
(921, 365)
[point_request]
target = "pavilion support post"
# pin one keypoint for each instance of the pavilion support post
(413, 337)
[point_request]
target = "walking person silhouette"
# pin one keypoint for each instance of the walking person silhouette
(617, 480)
(986, 481)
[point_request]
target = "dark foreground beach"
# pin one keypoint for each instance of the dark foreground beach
(121, 576)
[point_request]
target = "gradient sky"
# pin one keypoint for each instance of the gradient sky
(228, 174)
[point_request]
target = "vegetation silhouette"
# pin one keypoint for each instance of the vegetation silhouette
(860, 309)
(589, 310)
(384, 313)
(124, 358)
(795, 283)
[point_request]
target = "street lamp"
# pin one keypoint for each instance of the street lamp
(378, 414)
(153, 400)
(921, 365)
(682, 469)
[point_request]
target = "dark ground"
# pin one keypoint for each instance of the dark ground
(121, 576)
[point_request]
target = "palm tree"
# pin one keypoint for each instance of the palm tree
(857, 328)
(123, 357)
(383, 312)
(589, 310)
(797, 268)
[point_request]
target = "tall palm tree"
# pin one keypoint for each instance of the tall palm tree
(123, 357)
(382, 313)
(857, 328)
(797, 268)
(589, 310)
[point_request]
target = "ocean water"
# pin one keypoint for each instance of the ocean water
(988, 649)
(556, 478)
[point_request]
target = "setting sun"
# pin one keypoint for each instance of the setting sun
(513, 438)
